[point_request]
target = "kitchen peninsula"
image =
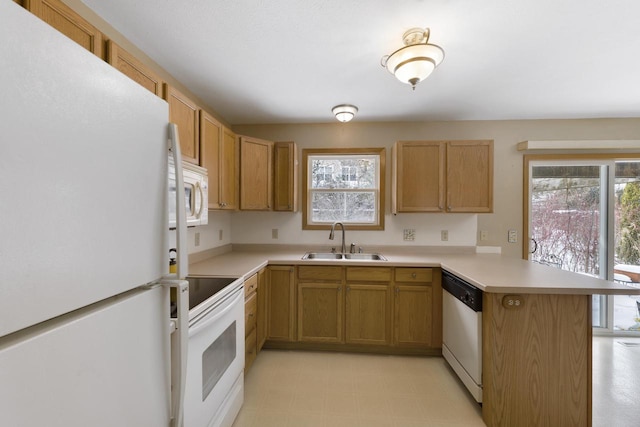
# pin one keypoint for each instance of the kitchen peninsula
(536, 355)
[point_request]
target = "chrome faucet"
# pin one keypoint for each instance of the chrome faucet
(333, 227)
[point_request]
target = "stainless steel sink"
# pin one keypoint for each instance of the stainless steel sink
(343, 257)
(321, 255)
(370, 257)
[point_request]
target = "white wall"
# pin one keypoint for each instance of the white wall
(257, 227)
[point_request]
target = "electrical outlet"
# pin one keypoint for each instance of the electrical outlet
(220, 235)
(512, 301)
(513, 236)
(409, 234)
(197, 242)
(444, 235)
(274, 233)
(484, 235)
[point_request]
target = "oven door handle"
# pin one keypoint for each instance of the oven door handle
(213, 315)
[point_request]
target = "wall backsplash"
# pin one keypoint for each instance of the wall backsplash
(257, 227)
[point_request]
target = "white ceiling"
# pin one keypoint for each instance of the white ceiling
(290, 61)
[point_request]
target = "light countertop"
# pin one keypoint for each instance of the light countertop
(490, 272)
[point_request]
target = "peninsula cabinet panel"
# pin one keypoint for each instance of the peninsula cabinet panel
(320, 312)
(470, 176)
(131, 66)
(418, 177)
(256, 174)
(184, 112)
(64, 19)
(537, 361)
(281, 303)
(218, 153)
(368, 314)
(285, 177)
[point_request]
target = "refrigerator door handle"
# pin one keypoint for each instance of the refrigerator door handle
(182, 257)
(179, 350)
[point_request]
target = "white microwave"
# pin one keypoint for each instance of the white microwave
(196, 193)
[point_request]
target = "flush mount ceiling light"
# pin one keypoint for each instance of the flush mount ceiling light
(416, 60)
(344, 112)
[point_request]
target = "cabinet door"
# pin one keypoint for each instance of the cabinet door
(64, 19)
(261, 323)
(131, 66)
(280, 303)
(255, 174)
(184, 113)
(367, 315)
(418, 177)
(470, 176)
(412, 315)
(210, 149)
(285, 177)
(320, 312)
(229, 170)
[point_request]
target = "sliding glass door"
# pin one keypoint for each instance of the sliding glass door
(584, 216)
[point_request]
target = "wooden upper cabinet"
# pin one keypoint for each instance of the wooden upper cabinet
(285, 179)
(443, 176)
(418, 177)
(184, 113)
(256, 174)
(131, 66)
(218, 153)
(64, 19)
(470, 176)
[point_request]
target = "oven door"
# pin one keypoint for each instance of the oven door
(214, 388)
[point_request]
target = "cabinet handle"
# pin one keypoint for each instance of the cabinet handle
(397, 290)
(449, 208)
(413, 275)
(340, 288)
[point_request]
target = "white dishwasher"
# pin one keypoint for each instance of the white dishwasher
(462, 331)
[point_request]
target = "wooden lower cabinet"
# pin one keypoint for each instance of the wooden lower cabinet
(281, 298)
(417, 308)
(368, 314)
(320, 312)
(368, 307)
(250, 318)
(261, 321)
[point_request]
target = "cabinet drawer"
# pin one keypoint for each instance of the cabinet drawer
(369, 274)
(320, 273)
(414, 275)
(250, 285)
(250, 350)
(250, 310)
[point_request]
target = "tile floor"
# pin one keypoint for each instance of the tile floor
(318, 389)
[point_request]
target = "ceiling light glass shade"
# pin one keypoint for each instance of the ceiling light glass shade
(414, 62)
(344, 112)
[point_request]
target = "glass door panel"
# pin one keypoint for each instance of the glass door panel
(626, 265)
(568, 220)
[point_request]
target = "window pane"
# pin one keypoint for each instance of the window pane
(331, 172)
(358, 207)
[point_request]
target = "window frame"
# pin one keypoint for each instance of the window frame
(306, 191)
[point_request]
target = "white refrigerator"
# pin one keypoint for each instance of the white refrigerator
(86, 337)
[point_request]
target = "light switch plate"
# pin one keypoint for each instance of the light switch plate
(513, 236)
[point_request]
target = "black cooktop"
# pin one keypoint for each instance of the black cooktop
(201, 288)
